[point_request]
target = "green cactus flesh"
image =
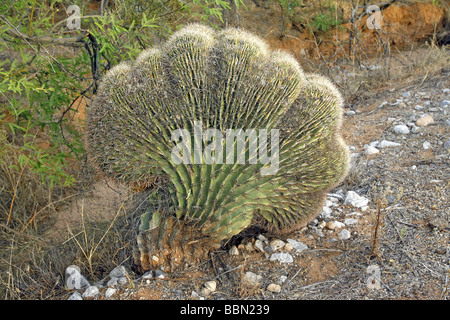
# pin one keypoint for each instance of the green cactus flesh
(222, 80)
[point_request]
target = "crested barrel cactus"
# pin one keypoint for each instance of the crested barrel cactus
(237, 135)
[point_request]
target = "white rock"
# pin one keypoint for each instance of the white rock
(252, 278)
(355, 200)
(326, 213)
(332, 200)
(418, 107)
(275, 245)
(371, 150)
(259, 245)
(338, 224)
(334, 225)
(118, 272)
(282, 257)
(350, 113)
(406, 94)
(262, 238)
(91, 292)
(354, 213)
(282, 279)
(211, 286)
(385, 144)
(112, 282)
(322, 224)
(74, 279)
(297, 245)
(159, 274)
(148, 275)
(122, 280)
(445, 103)
(426, 145)
(401, 128)
(273, 287)
(110, 292)
(233, 251)
(344, 234)
(350, 221)
(75, 296)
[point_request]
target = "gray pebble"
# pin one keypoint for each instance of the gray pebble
(118, 272)
(91, 292)
(110, 292)
(282, 257)
(75, 296)
(344, 234)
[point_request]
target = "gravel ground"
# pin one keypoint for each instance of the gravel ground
(395, 247)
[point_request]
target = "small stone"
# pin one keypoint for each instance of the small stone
(74, 279)
(447, 144)
(385, 144)
(75, 296)
(233, 251)
(355, 200)
(275, 245)
(331, 225)
(259, 245)
(148, 275)
(110, 292)
(288, 247)
(350, 113)
(273, 287)
(441, 250)
(401, 128)
(321, 224)
(282, 279)
(112, 282)
(122, 280)
(326, 213)
(350, 221)
(297, 245)
(445, 103)
(424, 121)
(406, 94)
(159, 274)
(118, 272)
(344, 234)
(371, 150)
(91, 292)
(211, 286)
(252, 279)
(282, 257)
(426, 145)
(262, 238)
(418, 107)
